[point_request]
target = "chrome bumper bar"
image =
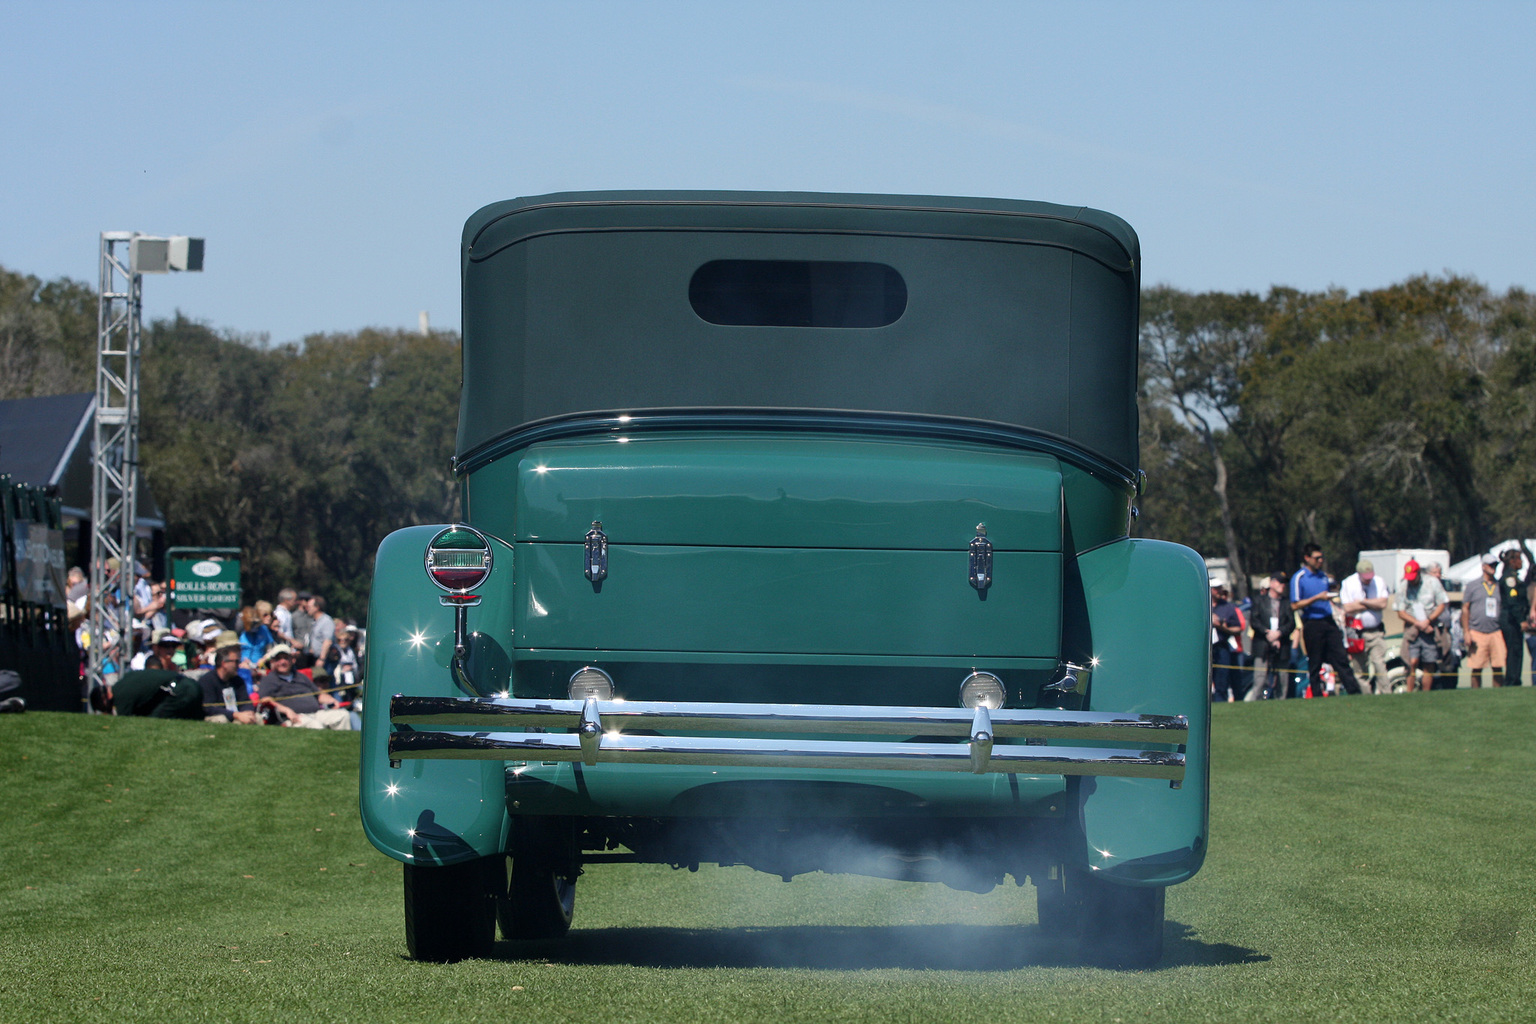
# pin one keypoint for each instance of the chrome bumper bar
(1139, 746)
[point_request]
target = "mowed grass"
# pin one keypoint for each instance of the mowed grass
(1371, 859)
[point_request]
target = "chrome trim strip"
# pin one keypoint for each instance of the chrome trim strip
(495, 713)
(789, 753)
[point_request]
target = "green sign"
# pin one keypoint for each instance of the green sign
(205, 582)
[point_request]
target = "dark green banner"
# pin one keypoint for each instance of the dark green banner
(205, 583)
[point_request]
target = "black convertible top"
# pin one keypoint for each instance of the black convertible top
(990, 310)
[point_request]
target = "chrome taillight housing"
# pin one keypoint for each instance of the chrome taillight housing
(982, 689)
(459, 559)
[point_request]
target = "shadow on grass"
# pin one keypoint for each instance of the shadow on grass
(915, 947)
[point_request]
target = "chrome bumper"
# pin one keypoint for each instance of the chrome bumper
(495, 728)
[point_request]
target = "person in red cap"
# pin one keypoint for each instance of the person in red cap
(1419, 601)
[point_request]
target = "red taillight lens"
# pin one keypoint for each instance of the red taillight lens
(459, 559)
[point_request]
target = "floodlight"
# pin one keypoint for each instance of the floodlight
(149, 255)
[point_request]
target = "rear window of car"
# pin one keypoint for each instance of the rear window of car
(797, 293)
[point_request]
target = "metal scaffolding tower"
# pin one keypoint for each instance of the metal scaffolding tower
(125, 257)
(114, 458)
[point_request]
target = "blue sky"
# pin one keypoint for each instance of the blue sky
(330, 152)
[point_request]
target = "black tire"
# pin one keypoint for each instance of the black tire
(450, 910)
(1058, 919)
(1121, 925)
(1101, 923)
(539, 896)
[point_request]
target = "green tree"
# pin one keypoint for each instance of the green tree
(1193, 352)
(47, 336)
(305, 457)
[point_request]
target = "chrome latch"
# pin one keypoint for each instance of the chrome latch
(597, 554)
(981, 560)
(1072, 678)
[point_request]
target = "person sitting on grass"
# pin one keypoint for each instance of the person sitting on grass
(296, 698)
(225, 698)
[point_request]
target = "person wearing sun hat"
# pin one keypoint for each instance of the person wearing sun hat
(296, 698)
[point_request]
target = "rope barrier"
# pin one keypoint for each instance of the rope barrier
(280, 700)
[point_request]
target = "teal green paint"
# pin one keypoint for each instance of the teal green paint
(410, 638)
(827, 559)
(1149, 609)
(789, 600)
(1097, 509)
(769, 491)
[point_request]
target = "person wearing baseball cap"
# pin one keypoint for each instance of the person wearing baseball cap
(1480, 608)
(1420, 599)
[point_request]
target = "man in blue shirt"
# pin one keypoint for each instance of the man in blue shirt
(1312, 596)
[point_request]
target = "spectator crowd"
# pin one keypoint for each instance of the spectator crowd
(1302, 634)
(287, 662)
(1310, 634)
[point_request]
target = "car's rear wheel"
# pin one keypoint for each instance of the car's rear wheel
(1121, 926)
(1102, 923)
(1054, 910)
(450, 910)
(540, 871)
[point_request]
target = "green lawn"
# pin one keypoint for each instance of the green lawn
(1371, 859)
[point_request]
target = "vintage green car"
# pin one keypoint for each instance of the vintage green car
(795, 535)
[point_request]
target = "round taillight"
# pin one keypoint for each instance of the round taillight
(459, 559)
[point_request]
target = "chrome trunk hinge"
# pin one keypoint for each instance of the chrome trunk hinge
(597, 554)
(981, 560)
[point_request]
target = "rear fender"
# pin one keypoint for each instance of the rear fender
(1148, 610)
(439, 812)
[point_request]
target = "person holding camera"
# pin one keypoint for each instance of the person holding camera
(1312, 596)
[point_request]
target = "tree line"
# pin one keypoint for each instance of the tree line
(303, 455)
(1399, 417)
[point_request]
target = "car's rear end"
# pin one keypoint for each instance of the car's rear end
(795, 536)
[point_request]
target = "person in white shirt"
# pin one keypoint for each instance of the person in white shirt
(282, 615)
(1364, 596)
